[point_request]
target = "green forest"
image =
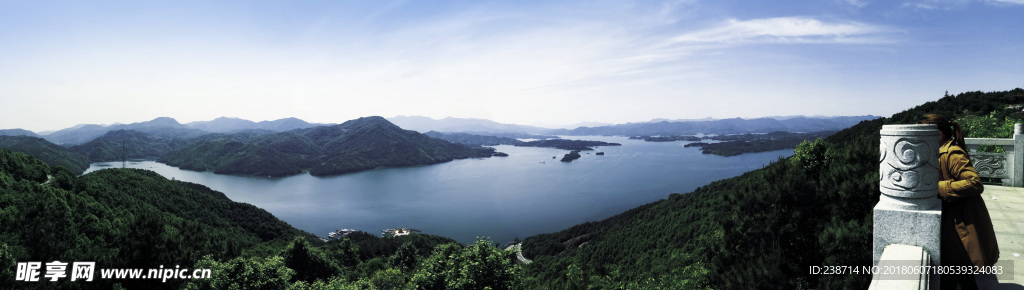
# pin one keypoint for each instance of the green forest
(758, 230)
(50, 153)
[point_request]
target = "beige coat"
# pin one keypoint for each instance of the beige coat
(964, 210)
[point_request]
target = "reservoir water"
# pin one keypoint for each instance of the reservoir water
(524, 194)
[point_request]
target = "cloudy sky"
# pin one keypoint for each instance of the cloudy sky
(524, 62)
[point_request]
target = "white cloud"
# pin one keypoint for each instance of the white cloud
(1010, 1)
(858, 3)
(785, 30)
(937, 4)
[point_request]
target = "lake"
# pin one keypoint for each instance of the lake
(524, 194)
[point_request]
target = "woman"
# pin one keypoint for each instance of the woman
(967, 235)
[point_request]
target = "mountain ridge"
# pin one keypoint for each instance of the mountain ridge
(355, 145)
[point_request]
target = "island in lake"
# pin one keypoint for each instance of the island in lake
(732, 145)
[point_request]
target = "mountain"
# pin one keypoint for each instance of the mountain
(52, 154)
(356, 145)
(764, 228)
(225, 124)
(286, 124)
(162, 126)
(129, 218)
(17, 132)
(222, 124)
(131, 144)
(462, 125)
(721, 127)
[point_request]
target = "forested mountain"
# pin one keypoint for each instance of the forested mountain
(356, 145)
(116, 145)
(17, 132)
(122, 218)
(52, 154)
(225, 125)
(721, 127)
(162, 127)
(759, 230)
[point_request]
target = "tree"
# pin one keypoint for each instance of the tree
(813, 156)
(309, 264)
(478, 266)
(243, 273)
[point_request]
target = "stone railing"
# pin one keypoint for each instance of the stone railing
(1009, 166)
(907, 216)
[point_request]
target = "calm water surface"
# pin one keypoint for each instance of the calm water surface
(524, 194)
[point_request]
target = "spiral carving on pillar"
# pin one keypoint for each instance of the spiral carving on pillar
(908, 160)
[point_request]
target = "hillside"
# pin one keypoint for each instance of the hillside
(122, 218)
(116, 145)
(759, 230)
(52, 154)
(356, 145)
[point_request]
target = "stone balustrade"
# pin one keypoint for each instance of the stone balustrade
(1009, 166)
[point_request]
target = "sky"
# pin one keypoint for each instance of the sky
(548, 63)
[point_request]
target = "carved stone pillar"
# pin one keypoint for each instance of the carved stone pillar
(908, 211)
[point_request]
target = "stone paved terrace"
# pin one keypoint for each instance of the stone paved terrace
(1006, 206)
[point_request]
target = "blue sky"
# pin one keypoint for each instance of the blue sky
(525, 62)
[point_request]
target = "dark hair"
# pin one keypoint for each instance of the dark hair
(951, 129)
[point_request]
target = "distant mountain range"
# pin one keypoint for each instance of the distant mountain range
(167, 127)
(655, 127)
(289, 146)
(17, 132)
(226, 124)
(463, 125)
(721, 126)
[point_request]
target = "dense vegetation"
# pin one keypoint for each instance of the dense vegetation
(52, 154)
(759, 230)
(130, 144)
(123, 218)
(356, 145)
(133, 218)
(751, 143)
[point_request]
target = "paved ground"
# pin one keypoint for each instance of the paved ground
(1006, 206)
